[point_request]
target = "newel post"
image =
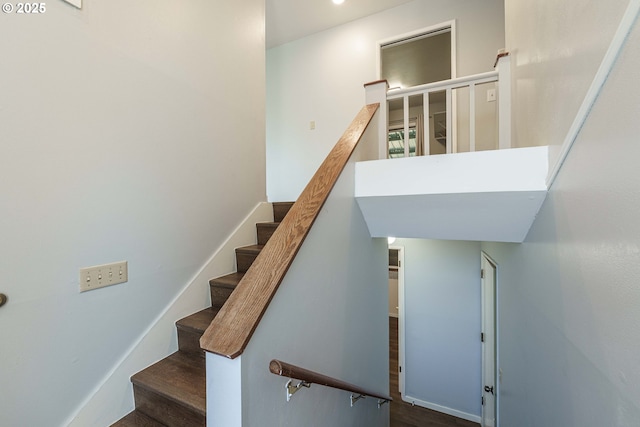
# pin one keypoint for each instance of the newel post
(376, 92)
(503, 66)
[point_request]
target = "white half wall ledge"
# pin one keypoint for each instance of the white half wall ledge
(483, 196)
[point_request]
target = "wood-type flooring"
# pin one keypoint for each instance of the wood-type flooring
(403, 414)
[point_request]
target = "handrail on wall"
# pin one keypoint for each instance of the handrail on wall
(308, 377)
(233, 326)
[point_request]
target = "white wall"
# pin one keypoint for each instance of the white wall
(320, 78)
(442, 325)
(556, 49)
(118, 122)
(330, 316)
(569, 297)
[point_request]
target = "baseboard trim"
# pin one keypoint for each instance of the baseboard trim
(443, 409)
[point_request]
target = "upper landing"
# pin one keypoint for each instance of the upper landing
(481, 196)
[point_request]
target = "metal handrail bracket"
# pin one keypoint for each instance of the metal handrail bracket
(292, 389)
(354, 398)
(382, 402)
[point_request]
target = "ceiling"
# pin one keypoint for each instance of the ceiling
(288, 20)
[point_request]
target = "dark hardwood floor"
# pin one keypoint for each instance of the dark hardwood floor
(404, 414)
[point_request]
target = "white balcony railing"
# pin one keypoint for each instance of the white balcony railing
(454, 119)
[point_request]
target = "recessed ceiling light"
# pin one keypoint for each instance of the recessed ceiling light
(338, 1)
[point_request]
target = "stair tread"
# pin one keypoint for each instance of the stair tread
(197, 322)
(229, 280)
(268, 224)
(179, 377)
(250, 249)
(137, 419)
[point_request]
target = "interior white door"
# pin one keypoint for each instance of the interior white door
(401, 361)
(411, 59)
(489, 383)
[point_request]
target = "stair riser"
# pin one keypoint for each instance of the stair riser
(219, 295)
(265, 231)
(280, 210)
(166, 411)
(244, 260)
(189, 342)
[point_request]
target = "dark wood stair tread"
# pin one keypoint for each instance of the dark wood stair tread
(179, 377)
(228, 281)
(173, 390)
(137, 419)
(250, 249)
(197, 322)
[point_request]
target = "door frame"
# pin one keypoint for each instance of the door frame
(405, 37)
(416, 33)
(486, 260)
(401, 325)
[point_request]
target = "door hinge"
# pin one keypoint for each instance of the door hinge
(482, 400)
(482, 273)
(399, 263)
(399, 368)
(481, 336)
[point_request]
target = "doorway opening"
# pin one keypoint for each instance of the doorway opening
(434, 348)
(421, 57)
(396, 304)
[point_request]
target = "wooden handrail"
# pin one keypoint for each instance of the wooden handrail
(310, 377)
(231, 329)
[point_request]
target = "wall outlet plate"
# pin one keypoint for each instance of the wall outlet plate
(100, 276)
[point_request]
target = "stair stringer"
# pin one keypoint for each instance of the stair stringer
(112, 398)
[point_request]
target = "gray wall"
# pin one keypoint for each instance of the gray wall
(569, 296)
(115, 145)
(556, 49)
(442, 317)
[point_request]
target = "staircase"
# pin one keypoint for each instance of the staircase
(172, 391)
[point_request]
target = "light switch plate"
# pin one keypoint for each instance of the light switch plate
(100, 276)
